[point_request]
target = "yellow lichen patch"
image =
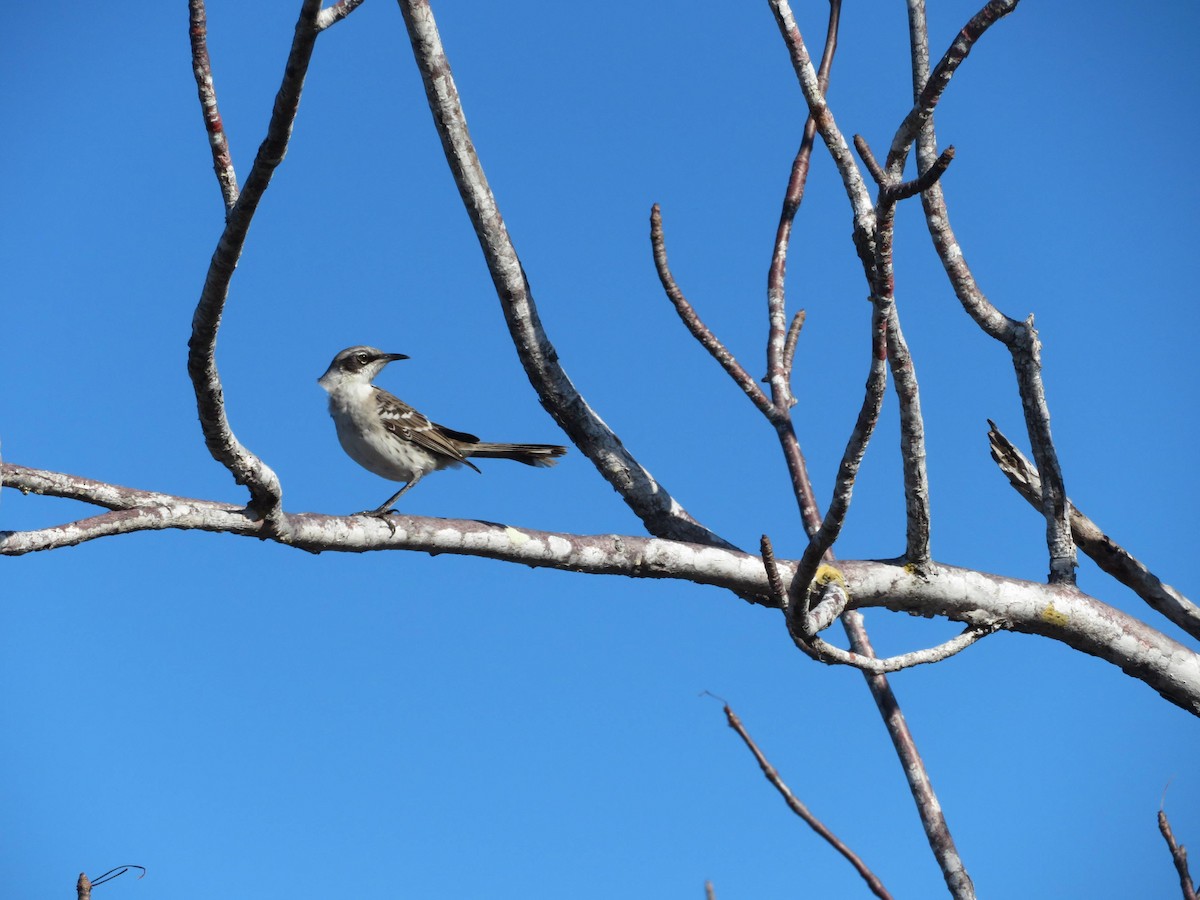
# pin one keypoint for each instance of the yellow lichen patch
(1053, 616)
(829, 575)
(517, 537)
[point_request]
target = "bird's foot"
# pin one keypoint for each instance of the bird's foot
(383, 513)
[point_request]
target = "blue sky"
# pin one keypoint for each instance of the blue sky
(245, 720)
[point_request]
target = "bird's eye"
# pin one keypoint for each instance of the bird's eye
(360, 358)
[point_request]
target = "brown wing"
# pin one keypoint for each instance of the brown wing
(410, 425)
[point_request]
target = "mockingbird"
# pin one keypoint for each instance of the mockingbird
(385, 435)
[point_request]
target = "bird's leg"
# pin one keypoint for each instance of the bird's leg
(384, 510)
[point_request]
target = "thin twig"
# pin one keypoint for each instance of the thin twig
(218, 140)
(661, 513)
(1104, 551)
(789, 347)
(868, 158)
(780, 348)
(830, 654)
(696, 326)
(795, 805)
(1178, 856)
(925, 180)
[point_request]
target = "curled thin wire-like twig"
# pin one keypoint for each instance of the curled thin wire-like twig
(116, 872)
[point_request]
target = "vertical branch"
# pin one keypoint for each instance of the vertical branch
(1019, 337)
(936, 830)
(866, 242)
(217, 139)
(856, 448)
(265, 489)
(1026, 352)
(778, 358)
(781, 344)
(912, 445)
(658, 510)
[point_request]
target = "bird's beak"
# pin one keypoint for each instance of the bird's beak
(392, 357)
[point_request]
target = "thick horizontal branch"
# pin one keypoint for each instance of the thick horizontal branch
(1057, 611)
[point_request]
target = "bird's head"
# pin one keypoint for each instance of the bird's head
(356, 365)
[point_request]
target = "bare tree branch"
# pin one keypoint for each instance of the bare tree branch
(912, 444)
(265, 490)
(217, 139)
(873, 241)
(936, 829)
(795, 805)
(1178, 856)
(699, 330)
(1020, 338)
(650, 501)
(1060, 612)
(781, 349)
(789, 349)
(804, 623)
(818, 109)
(856, 446)
(933, 86)
(331, 15)
(1106, 552)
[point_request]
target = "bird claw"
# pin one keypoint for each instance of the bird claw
(384, 515)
